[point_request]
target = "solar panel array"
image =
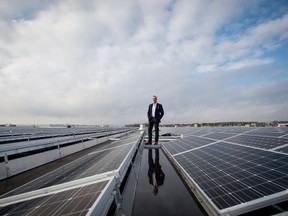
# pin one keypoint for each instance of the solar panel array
(14, 140)
(108, 161)
(233, 170)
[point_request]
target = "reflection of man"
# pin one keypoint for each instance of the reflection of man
(155, 173)
(155, 114)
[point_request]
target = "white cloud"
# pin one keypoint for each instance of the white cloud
(246, 49)
(248, 63)
(101, 61)
(207, 68)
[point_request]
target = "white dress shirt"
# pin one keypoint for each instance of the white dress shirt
(153, 110)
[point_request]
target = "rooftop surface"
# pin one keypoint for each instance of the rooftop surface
(204, 171)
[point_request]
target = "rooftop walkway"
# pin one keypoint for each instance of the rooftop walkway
(172, 198)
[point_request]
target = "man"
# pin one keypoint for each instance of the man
(155, 114)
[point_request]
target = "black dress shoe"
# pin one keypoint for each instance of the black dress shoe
(147, 143)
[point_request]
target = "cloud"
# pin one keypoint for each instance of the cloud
(101, 61)
(249, 63)
(247, 49)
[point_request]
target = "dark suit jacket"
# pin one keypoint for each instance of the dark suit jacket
(159, 112)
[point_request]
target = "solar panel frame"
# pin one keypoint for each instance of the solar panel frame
(239, 207)
(277, 178)
(78, 196)
(283, 149)
(115, 161)
(284, 136)
(95, 163)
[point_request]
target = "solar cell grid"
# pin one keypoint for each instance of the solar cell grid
(185, 144)
(262, 132)
(174, 146)
(115, 156)
(236, 130)
(176, 131)
(230, 174)
(70, 202)
(219, 136)
(109, 162)
(199, 133)
(93, 164)
(258, 141)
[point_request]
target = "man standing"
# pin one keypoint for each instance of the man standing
(155, 114)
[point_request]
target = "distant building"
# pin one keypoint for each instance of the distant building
(282, 125)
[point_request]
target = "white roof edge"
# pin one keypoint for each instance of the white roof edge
(104, 200)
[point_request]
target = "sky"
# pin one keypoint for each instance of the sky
(100, 62)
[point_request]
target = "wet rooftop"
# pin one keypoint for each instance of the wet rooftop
(173, 197)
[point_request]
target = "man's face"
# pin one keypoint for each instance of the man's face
(154, 99)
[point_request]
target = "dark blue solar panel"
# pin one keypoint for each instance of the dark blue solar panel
(259, 141)
(188, 143)
(284, 149)
(76, 201)
(88, 165)
(270, 132)
(219, 136)
(231, 174)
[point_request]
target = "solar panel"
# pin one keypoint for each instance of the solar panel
(232, 177)
(185, 144)
(82, 187)
(271, 132)
(218, 135)
(75, 201)
(259, 141)
(101, 161)
(25, 140)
